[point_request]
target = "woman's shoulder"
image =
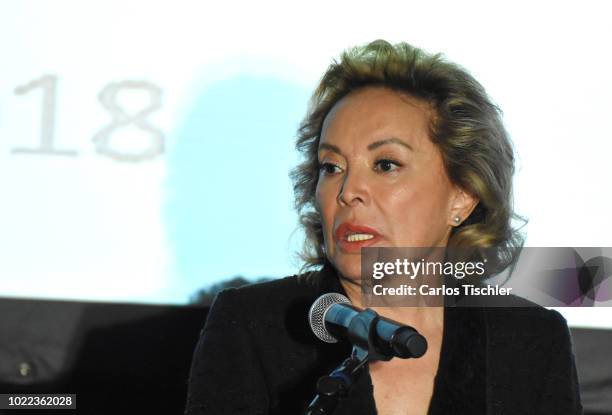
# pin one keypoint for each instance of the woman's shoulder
(518, 311)
(279, 288)
(514, 311)
(530, 355)
(527, 330)
(273, 297)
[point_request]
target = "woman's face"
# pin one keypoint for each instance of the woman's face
(381, 180)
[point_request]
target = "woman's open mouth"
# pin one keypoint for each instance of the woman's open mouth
(356, 237)
(350, 238)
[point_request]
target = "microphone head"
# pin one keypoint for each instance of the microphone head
(316, 315)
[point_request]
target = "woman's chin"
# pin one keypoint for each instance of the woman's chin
(349, 268)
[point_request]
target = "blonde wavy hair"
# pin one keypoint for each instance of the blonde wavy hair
(467, 128)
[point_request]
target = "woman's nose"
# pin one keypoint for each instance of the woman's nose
(353, 190)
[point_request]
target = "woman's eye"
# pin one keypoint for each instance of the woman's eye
(329, 168)
(387, 165)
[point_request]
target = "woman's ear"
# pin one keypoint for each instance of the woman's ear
(461, 207)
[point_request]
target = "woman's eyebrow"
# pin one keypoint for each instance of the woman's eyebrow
(331, 147)
(392, 140)
(371, 146)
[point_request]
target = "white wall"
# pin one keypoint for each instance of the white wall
(93, 226)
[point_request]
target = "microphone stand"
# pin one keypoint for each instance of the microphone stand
(333, 387)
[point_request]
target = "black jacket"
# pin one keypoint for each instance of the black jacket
(257, 355)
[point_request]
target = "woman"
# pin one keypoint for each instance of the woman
(402, 149)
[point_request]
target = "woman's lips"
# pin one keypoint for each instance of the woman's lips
(350, 238)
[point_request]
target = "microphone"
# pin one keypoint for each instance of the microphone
(332, 317)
